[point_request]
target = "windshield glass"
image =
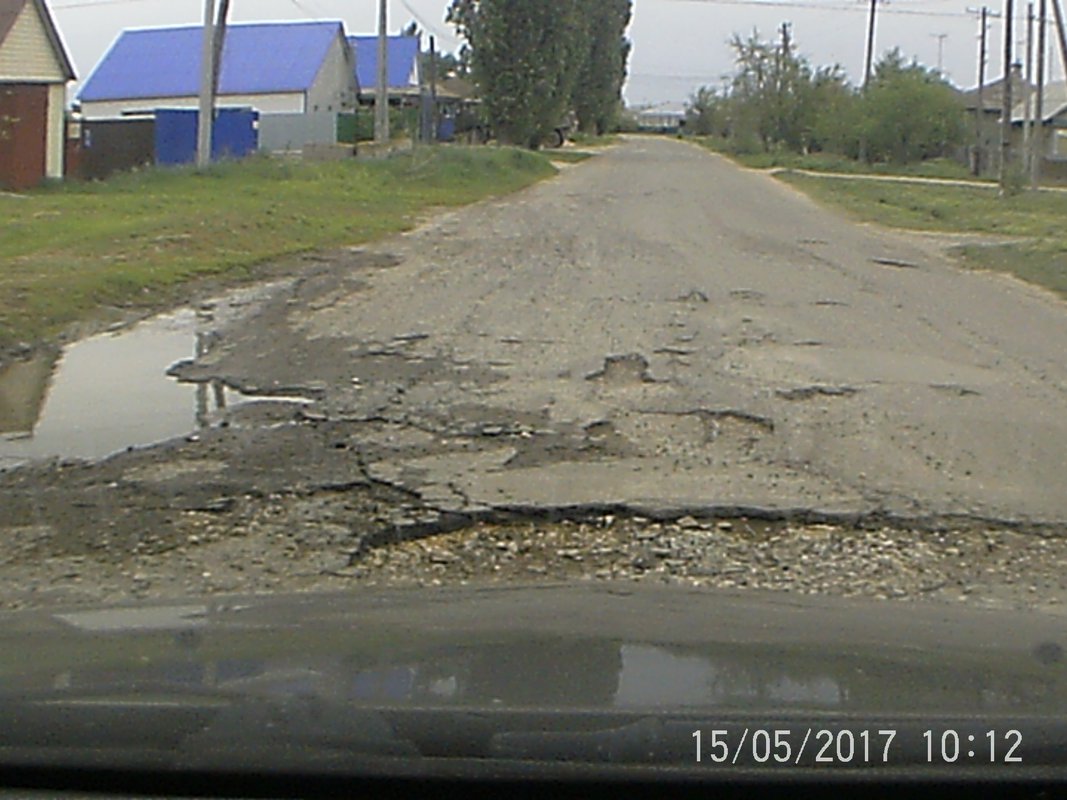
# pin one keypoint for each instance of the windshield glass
(737, 298)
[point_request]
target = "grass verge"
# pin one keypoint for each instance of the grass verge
(1039, 256)
(828, 162)
(134, 241)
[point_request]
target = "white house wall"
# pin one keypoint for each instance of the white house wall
(335, 87)
(57, 130)
(27, 55)
(289, 103)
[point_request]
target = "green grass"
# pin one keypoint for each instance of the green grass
(829, 162)
(67, 252)
(1036, 218)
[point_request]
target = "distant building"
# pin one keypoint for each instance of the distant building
(274, 68)
(34, 72)
(1051, 130)
(403, 70)
(984, 122)
(664, 117)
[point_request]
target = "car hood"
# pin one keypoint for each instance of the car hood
(493, 672)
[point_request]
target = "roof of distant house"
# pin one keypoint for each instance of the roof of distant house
(10, 10)
(403, 61)
(261, 58)
(992, 93)
(1053, 103)
(668, 109)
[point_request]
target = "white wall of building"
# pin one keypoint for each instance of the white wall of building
(288, 103)
(335, 87)
(57, 131)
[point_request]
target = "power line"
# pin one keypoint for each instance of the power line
(826, 7)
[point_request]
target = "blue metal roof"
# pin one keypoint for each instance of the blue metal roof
(263, 58)
(403, 60)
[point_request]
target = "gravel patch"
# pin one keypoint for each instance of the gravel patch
(293, 545)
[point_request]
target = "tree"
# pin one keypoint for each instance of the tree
(598, 91)
(910, 112)
(528, 59)
(707, 115)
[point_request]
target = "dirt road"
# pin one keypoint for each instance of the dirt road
(654, 332)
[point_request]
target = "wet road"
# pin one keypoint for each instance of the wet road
(659, 329)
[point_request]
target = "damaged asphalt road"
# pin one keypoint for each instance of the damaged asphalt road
(654, 333)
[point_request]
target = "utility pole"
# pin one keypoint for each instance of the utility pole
(206, 118)
(1005, 107)
(1037, 141)
(381, 99)
(868, 66)
(1028, 76)
(940, 51)
(220, 43)
(433, 89)
(979, 114)
(1059, 30)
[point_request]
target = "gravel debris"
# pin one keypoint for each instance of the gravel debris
(281, 546)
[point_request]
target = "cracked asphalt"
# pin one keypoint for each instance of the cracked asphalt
(652, 336)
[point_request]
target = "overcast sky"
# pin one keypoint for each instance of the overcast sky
(679, 45)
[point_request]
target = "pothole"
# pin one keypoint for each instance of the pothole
(621, 370)
(110, 393)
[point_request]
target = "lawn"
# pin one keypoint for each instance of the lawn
(828, 162)
(68, 252)
(1039, 255)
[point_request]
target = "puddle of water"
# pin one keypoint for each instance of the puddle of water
(107, 393)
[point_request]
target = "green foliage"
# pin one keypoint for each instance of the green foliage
(598, 92)
(535, 63)
(777, 102)
(909, 113)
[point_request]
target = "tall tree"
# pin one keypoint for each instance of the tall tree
(528, 58)
(598, 91)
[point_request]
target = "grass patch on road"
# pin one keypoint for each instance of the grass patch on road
(69, 251)
(1040, 255)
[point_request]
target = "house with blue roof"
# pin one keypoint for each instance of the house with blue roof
(274, 67)
(403, 65)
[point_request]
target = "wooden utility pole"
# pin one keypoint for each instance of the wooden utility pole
(220, 43)
(206, 118)
(979, 116)
(940, 51)
(433, 89)
(381, 98)
(1060, 32)
(1005, 107)
(869, 62)
(1037, 146)
(1028, 76)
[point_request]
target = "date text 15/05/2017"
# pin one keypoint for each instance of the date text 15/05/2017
(845, 747)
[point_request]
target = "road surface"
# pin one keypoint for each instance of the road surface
(660, 329)
(653, 335)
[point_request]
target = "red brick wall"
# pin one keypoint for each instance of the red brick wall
(23, 134)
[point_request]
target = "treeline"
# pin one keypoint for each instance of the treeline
(535, 63)
(776, 100)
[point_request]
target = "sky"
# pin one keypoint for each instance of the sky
(679, 45)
